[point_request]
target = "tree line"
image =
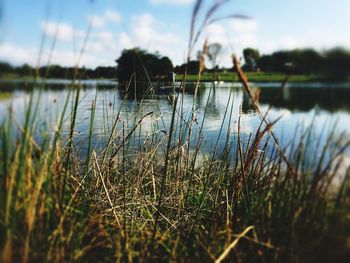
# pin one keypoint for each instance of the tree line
(333, 63)
(140, 65)
(57, 71)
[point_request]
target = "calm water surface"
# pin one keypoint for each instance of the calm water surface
(325, 106)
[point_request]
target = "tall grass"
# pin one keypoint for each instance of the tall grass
(163, 200)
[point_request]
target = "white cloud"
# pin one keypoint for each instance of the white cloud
(217, 33)
(68, 58)
(244, 33)
(143, 28)
(100, 21)
(113, 16)
(107, 38)
(244, 40)
(233, 36)
(94, 47)
(103, 41)
(172, 2)
(148, 33)
(244, 26)
(283, 43)
(239, 35)
(17, 55)
(62, 31)
(125, 41)
(97, 21)
(288, 42)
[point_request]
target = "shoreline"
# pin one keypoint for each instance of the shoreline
(22, 84)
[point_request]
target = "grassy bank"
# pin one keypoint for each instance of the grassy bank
(14, 76)
(165, 200)
(254, 77)
(158, 196)
(227, 77)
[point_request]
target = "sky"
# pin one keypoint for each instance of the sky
(93, 33)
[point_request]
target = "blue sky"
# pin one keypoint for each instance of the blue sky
(161, 25)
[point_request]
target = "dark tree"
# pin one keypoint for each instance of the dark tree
(307, 61)
(55, 71)
(267, 63)
(337, 64)
(280, 61)
(166, 66)
(141, 65)
(192, 68)
(25, 70)
(105, 72)
(5, 68)
(334, 63)
(251, 58)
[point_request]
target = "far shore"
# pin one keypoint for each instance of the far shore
(263, 79)
(260, 77)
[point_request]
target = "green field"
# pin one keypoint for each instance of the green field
(253, 76)
(14, 76)
(227, 77)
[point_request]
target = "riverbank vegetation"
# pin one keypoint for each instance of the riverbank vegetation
(159, 196)
(304, 65)
(164, 199)
(153, 194)
(253, 77)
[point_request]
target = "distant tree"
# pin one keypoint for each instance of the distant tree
(337, 64)
(283, 60)
(179, 69)
(105, 72)
(251, 59)
(334, 63)
(42, 71)
(306, 61)
(141, 65)
(266, 63)
(213, 53)
(55, 71)
(192, 67)
(70, 72)
(166, 66)
(280, 61)
(5, 68)
(25, 70)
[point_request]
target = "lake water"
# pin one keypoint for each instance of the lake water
(298, 105)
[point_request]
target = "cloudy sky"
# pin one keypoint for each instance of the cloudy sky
(58, 29)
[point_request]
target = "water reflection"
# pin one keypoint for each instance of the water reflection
(152, 90)
(295, 98)
(296, 105)
(304, 99)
